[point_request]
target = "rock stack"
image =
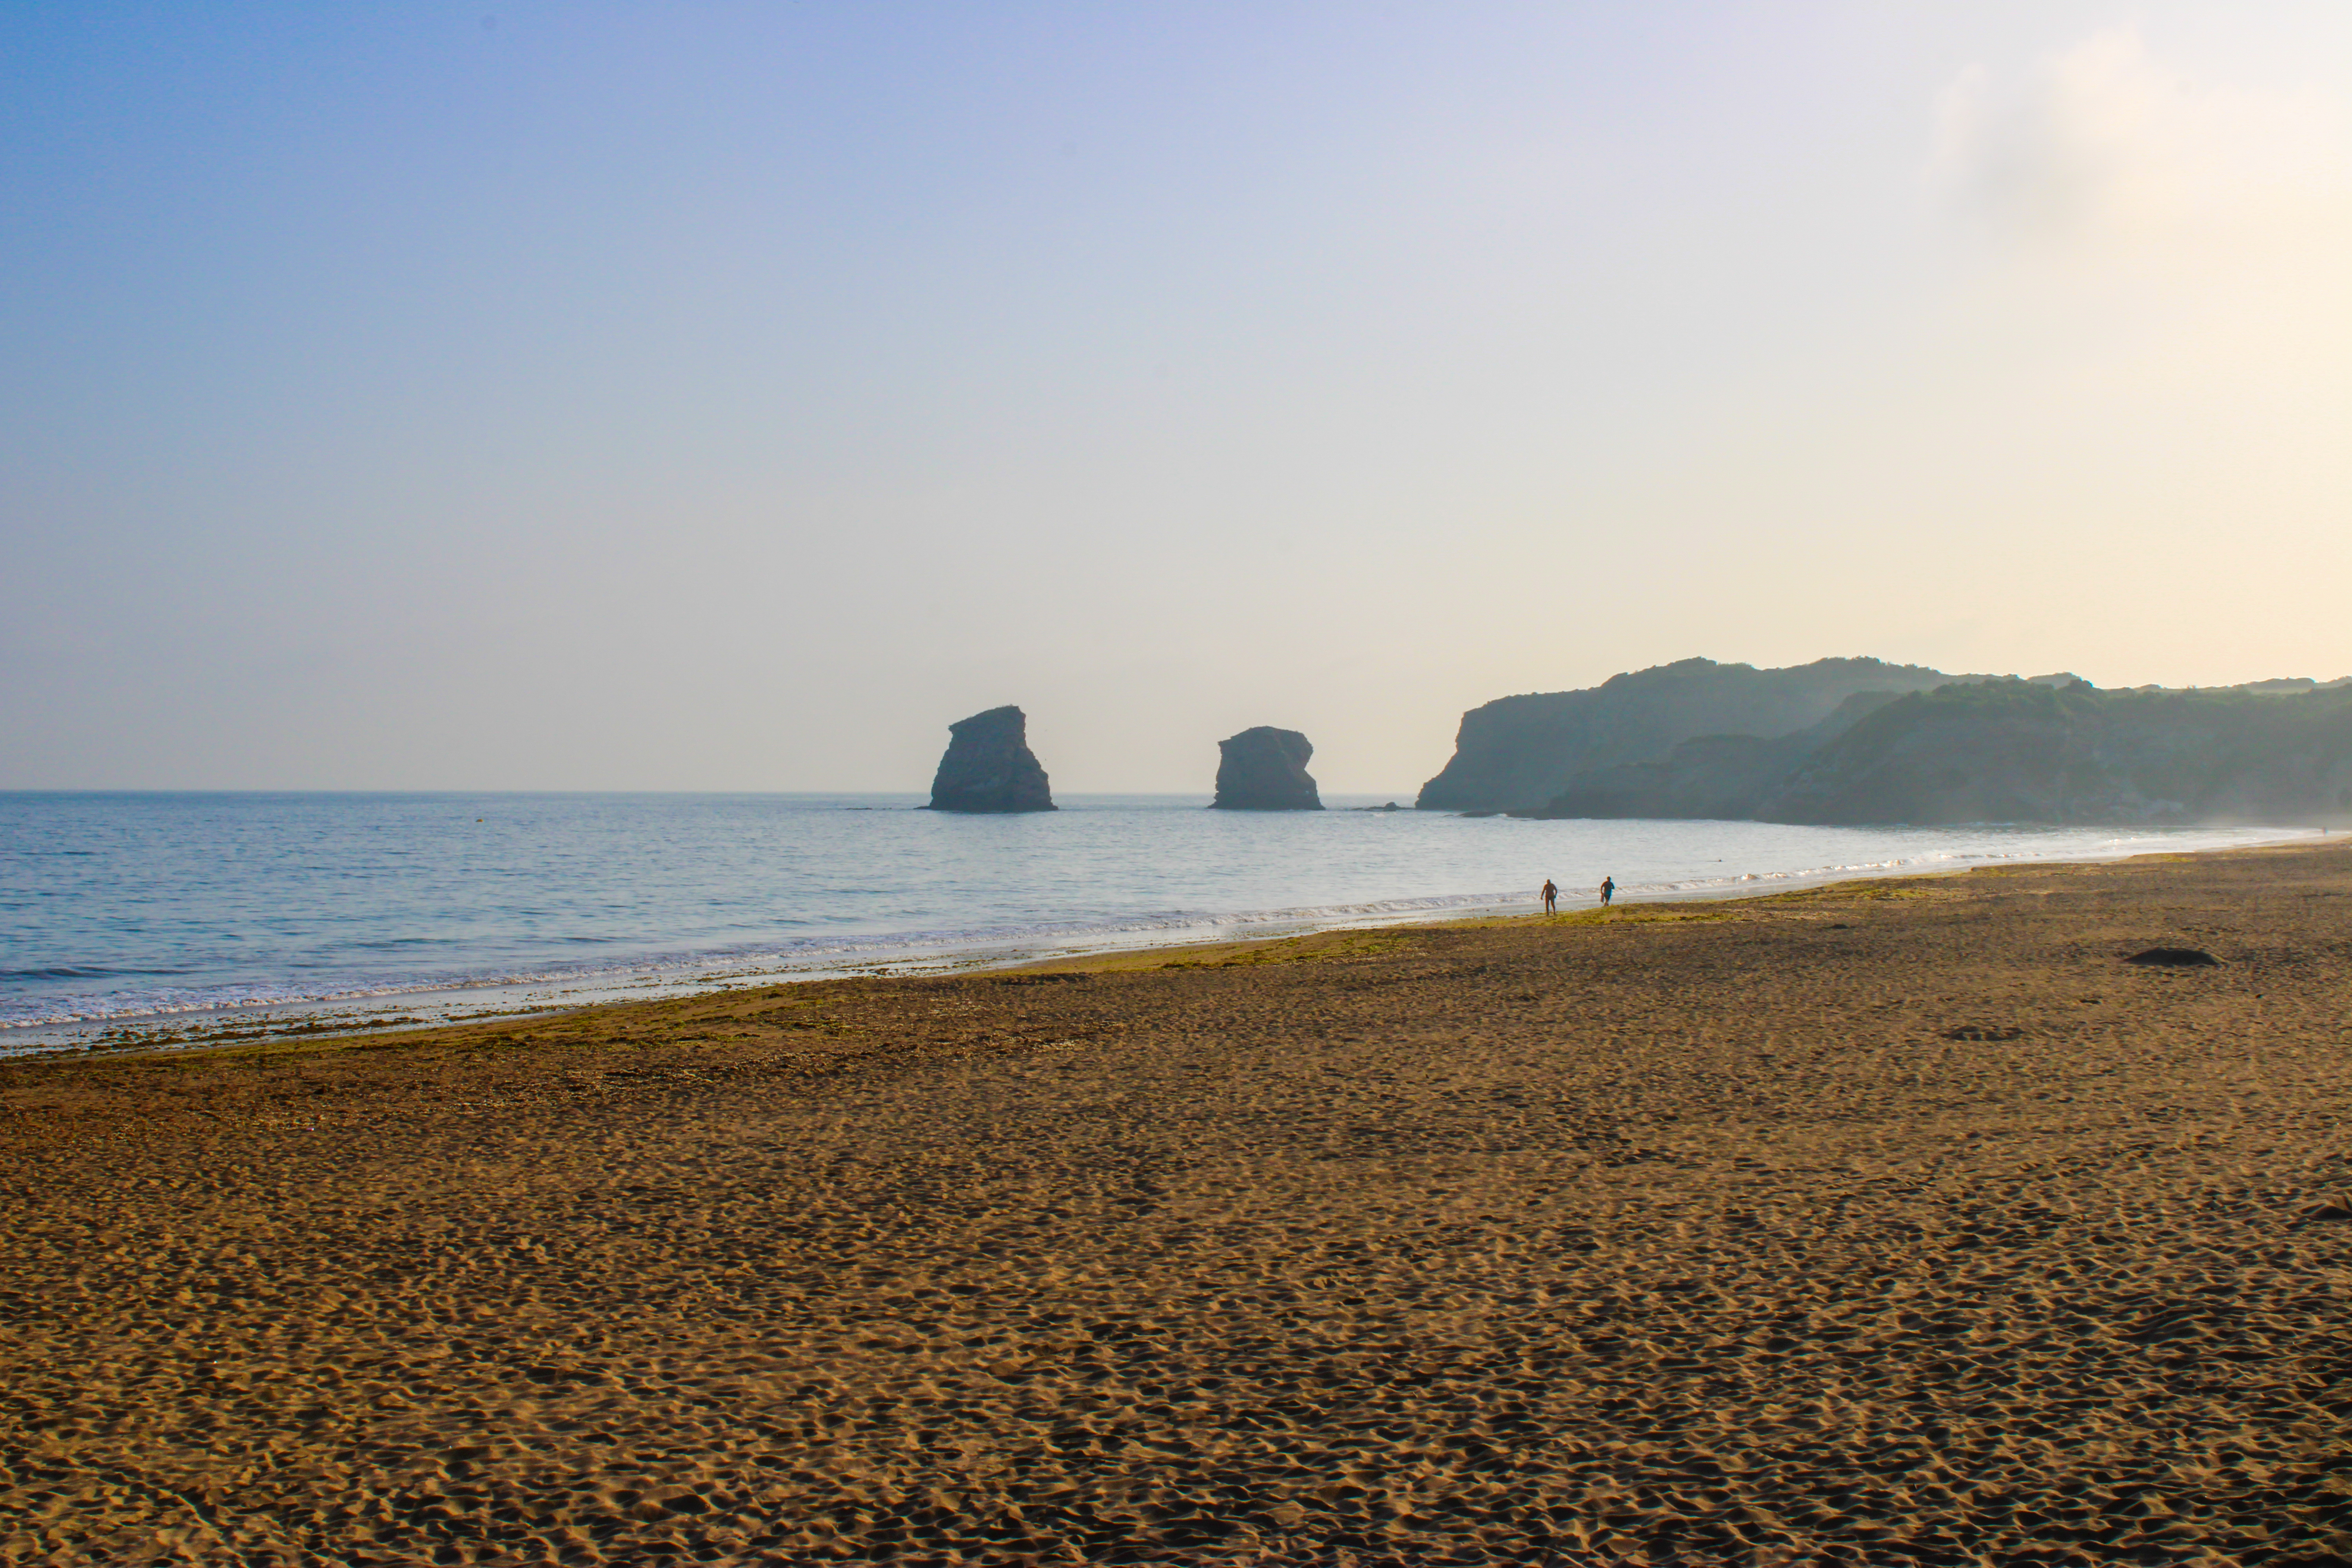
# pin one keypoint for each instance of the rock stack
(989, 767)
(1264, 769)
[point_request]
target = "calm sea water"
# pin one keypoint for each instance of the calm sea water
(116, 907)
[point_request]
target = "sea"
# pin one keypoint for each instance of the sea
(145, 918)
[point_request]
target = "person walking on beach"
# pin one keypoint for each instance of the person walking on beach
(1608, 891)
(1551, 898)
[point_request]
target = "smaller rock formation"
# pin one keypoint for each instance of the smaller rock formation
(989, 767)
(1264, 769)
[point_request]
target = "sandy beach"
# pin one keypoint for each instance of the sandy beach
(1897, 1222)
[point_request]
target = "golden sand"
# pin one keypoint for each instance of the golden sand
(1897, 1222)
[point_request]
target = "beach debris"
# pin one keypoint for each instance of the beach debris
(2173, 957)
(1264, 769)
(989, 767)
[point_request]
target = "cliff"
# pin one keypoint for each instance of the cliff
(1725, 777)
(2012, 751)
(1516, 753)
(988, 766)
(1264, 769)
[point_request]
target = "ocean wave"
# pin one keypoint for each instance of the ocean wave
(81, 972)
(798, 951)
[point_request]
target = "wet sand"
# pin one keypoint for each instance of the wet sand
(1895, 1222)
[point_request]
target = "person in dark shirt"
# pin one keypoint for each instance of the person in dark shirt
(1608, 889)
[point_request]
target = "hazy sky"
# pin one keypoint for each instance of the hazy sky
(730, 396)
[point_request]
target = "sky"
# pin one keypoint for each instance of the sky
(731, 395)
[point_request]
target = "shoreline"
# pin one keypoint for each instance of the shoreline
(1237, 951)
(1894, 1222)
(433, 1006)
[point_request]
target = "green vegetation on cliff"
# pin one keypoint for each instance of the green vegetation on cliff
(1862, 740)
(2012, 751)
(1518, 752)
(1716, 776)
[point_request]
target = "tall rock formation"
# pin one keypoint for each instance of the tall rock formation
(1264, 769)
(989, 767)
